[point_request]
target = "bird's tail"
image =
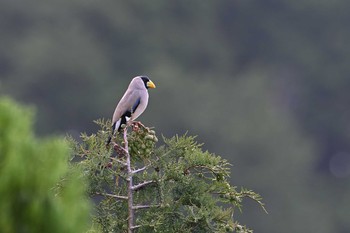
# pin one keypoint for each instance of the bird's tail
(117, 126)
(108, 140)
(110, 137)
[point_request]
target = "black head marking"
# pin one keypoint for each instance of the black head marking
(145, 80)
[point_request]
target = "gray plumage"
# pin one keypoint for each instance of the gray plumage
(133, 103)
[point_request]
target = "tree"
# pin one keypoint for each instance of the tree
(176, 187)
(40, 191)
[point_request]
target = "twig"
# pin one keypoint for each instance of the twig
(136, 187)
(135, 227)
(140, 170)
(112, 195)
(137, 207)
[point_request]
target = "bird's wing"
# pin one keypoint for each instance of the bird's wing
(142, 104)
(136, 104)
(129, 101)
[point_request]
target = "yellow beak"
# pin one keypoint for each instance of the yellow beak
(150, 84)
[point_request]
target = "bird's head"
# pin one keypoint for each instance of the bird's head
(148, 83)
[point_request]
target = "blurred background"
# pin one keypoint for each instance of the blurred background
(263, 83)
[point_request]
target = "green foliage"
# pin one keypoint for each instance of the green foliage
(30, 169)
(187, 188)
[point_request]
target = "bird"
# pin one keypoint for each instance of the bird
(132, 104)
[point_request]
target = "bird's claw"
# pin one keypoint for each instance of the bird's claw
(136, 125)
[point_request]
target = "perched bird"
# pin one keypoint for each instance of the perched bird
(132, 104)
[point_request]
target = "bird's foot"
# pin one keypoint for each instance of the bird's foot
(136, 125)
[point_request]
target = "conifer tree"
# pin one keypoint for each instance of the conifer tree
(176, 187)
(39, 190)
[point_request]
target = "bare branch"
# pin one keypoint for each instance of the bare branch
(136, 187)
(129, 181)
(112, 195)
(135, 227)
(140, 170)
(137, 207)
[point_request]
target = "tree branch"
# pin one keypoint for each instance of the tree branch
(129, 181)
(136, 187)
(112, 195)
(135, 227)
(137, 207)
(140, 170)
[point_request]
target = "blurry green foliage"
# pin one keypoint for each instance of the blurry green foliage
(30, 171)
